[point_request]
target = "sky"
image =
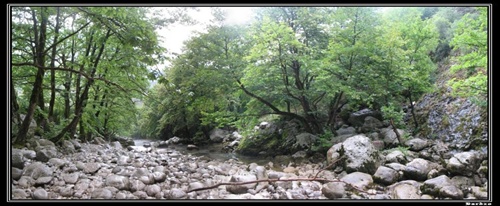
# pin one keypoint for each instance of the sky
(173, 36)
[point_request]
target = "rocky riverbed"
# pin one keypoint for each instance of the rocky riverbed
(102, 170)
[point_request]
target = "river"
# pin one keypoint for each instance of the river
(211, 151)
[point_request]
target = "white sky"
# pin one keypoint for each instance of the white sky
(174, 35)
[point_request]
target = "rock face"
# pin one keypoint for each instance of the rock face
(441, 116)
(360, 154)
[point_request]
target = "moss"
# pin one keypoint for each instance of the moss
(445, 121)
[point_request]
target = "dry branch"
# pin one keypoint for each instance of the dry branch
(283, 180)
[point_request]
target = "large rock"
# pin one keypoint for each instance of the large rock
(441, 186)
(36, 170)
(371, 124)
(385, 175)
(457, 121)
(464, 163)
(68, 147)
(117, 181)
(70, 178)
(417, 169)
(102, 193)
(357, 119)
(345, 130)
(17, 159)
(333, 190)
(16, 173)
(91, 167)
(176, 194)
(417, 144)
(407, 189)
(40, 194)
(360, 154)
(45, 154)
(462, 182)
(124, 141)
(389, 137)
(240, 189)
(305, 140)
(396, 156)
(217, 135)
(358, 179)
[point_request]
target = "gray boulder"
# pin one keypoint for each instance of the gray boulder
(217, 135)
(36, 170)
(17, 159)
(385, 175)
(333, 190)
(360, 154)
(464, 163)
(357, 119)
(358, 179)
(371, 124)
(102, 193)
(40, 194)
(417, 144)
(417, 169)
(407, 189)
(240, 189)
(389, 137)
(117, 181)
(441, 186)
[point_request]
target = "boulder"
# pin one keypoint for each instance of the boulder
(357, 119)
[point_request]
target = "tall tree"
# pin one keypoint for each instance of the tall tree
(280, 72)
(346, 70)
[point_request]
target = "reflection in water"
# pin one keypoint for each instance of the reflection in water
(212, 151)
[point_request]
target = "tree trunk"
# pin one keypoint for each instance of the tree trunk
(37, 85)
(413, 113)
(53, 72)
(80, 105)
(396, 132)
(14, 110)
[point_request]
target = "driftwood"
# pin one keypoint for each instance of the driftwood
(315, 178)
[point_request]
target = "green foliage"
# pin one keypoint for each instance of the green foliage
(324, 143)
(402, 149)
(471, 40)
(304, 63)
(390, 112)
(104, 51)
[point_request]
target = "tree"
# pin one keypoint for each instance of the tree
(280, 73)
(100, 54)
(470, 39)
(406, 62)
(347, 71)
(198, 91)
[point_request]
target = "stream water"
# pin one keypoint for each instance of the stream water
(211, 151)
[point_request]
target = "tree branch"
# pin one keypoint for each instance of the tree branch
(284, 180)
(81, 73)
(70, 35)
